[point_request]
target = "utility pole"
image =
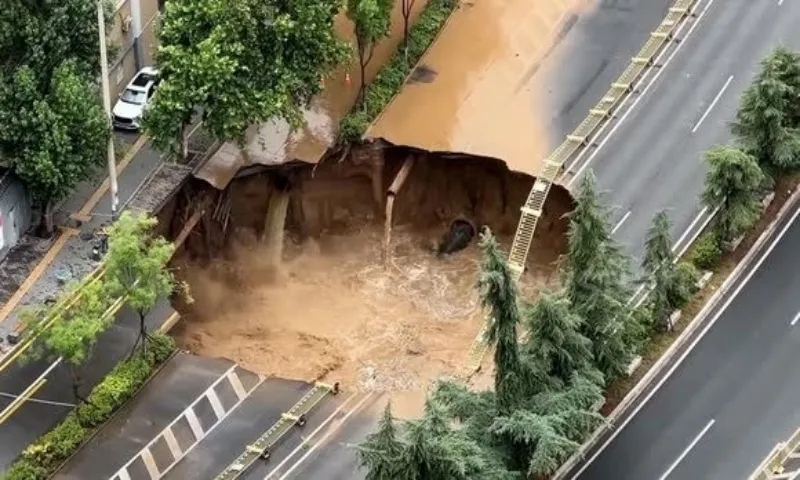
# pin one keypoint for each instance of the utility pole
(112, 161)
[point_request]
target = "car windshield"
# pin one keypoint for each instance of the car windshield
(134, 97)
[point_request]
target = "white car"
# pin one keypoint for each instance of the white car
(127, 112)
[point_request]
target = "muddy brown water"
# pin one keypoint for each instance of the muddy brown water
(476, 92)
(334, 310)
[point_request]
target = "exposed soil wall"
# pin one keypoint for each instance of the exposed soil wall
(334, 309)
(337, 195)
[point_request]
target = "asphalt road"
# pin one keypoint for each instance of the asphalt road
(35, 418)
(734, 396)
(179, 383)
(742, 376)
(653, 161)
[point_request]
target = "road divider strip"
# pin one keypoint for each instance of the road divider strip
(664, 366)
(307, 439)
(773, 467)
(553, 165)
(295, 416)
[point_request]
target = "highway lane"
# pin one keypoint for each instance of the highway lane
(35, 418)
(733, 397)
(653, 159)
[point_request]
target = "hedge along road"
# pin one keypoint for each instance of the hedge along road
(654, 162)
(54, 401)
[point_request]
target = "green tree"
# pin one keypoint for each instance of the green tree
(372, 20)
(52, 138)
(766, 123)
(406, 7)
(733, 184)
(43, 34)
(381, 453)
(555, 340)
(659, 265)
(429, 448)
(136, 266)
(239, 63)
(595, 276)
(499, 296)
(69, 334)
(435, 449)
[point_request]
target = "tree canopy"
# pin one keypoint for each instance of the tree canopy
(70, 333)
(768, 118)
(136, 265)
(499, 297)
(595, 279)
(372, 20)
(42, 34)
(52, 138)
(733, 184)
(555, 342)
(240, 63)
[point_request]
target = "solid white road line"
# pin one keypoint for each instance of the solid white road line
(325, 437)
(688, 350)
(619, 224)
(686, 451)
(639, 97)
(713, 102)
(795, 319)
(689, 228)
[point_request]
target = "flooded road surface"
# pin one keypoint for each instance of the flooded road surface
(273, 143)
(476, 91)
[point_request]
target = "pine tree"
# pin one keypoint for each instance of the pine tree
(381, 453)
(766, 122)
(658, 263)
(595, 282)
(733, 184)
(555, 341)
(499, 295)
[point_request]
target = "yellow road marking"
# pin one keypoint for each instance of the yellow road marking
(37, 272)
(169, 322)
(20, 400)
(84, 214)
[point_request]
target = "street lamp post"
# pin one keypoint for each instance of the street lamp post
(112, 163)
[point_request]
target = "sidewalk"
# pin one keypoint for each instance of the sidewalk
(37, 269)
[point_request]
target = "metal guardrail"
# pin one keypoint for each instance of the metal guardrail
(295, 416)
(777, 464)
(573, 144)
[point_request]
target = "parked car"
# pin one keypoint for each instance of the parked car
(15, 211)
(128, 111)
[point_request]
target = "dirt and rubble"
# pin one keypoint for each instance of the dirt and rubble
(333, 310)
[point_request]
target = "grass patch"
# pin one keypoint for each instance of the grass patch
(42, 458)
(390, 79)
(660, 342)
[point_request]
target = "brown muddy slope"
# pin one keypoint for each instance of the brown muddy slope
(333, 310)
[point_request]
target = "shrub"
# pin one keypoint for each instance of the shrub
(683, 285)
(41, 458)
(706, 252)
(391, 77)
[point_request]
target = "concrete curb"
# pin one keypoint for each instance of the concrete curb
(663, 362)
